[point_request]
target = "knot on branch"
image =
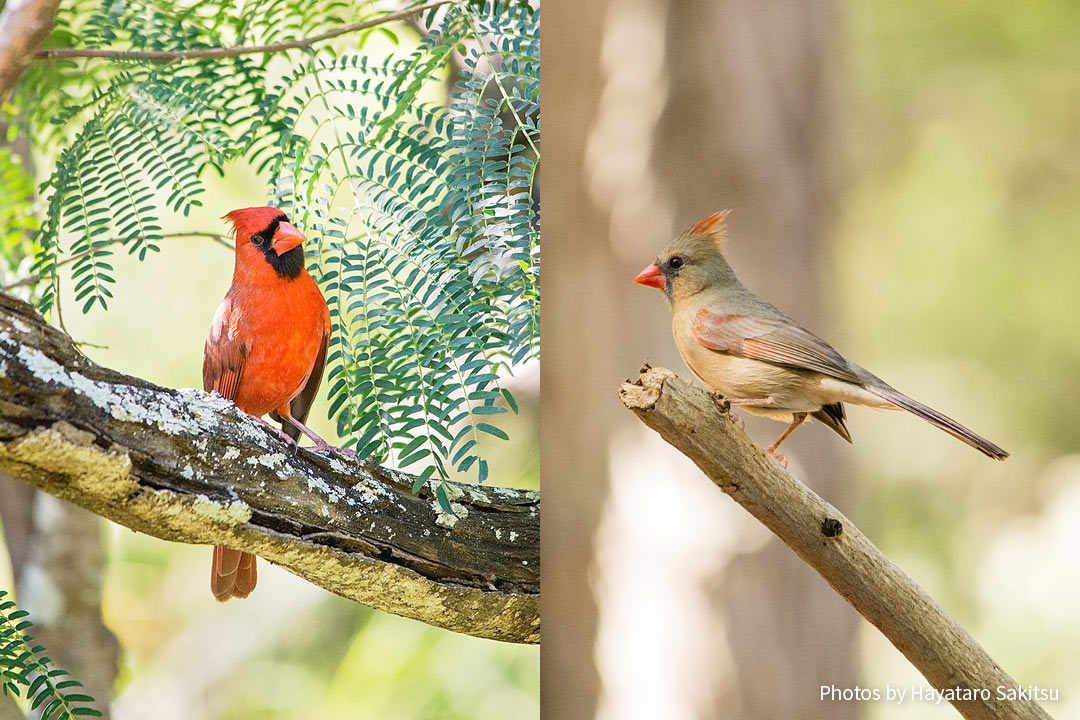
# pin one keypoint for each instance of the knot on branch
(831, 527)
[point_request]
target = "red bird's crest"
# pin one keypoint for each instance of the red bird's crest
(251, 220)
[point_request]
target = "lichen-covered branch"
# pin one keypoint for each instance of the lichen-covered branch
(187, 466)
(951, 660)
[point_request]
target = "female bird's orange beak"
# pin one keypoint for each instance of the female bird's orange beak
(286, 238)
(652, 276)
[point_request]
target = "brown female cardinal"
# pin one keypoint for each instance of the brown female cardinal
(266, 349)
(756, 356)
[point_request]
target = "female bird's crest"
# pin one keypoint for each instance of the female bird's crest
(712, 227)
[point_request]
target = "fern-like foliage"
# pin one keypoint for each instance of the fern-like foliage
(26, 671)
(17, 223)
(422, 203)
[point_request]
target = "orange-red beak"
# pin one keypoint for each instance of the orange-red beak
(652, 276)
(286, 238)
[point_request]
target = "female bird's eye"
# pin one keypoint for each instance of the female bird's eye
(675, 262)
(258, 240)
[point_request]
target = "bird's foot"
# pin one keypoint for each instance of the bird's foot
(779, 458)
(721, 402)
(321, 446)
(324, 447)
(724, 404)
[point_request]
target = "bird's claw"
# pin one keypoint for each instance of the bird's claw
(779, 458)
(721, 402)
(324, 447)
(725, 406)
(346, 452)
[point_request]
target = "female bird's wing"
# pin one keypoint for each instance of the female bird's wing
(771, 340)
(224, 353)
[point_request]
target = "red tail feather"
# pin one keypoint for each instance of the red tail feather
(234, 574)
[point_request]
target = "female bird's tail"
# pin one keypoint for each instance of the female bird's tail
(936, 419)
(234, 574)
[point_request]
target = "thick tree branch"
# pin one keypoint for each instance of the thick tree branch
(24, 25)
(187, 466)
(166, 56)
(950, 659)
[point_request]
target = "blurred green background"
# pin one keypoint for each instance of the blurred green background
(956, 262)
(291, 650)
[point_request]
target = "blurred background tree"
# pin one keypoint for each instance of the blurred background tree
(903, 180)
(407, 152)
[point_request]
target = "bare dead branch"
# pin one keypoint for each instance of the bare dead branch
(187, 466)
(951, 660)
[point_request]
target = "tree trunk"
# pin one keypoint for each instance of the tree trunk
(577, 280)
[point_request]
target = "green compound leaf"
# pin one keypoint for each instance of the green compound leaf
(414, 176)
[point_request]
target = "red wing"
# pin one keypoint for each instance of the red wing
(224, 353)
(770, 340)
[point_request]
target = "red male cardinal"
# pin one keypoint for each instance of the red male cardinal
(266, 348)
(756, 356)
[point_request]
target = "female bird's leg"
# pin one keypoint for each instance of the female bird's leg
(797, 420)
(320, 444)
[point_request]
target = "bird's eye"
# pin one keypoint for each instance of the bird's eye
(258, 240)
(675, 263)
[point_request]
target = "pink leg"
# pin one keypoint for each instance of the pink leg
(274, 429)
(797, 420)
(320, 444)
